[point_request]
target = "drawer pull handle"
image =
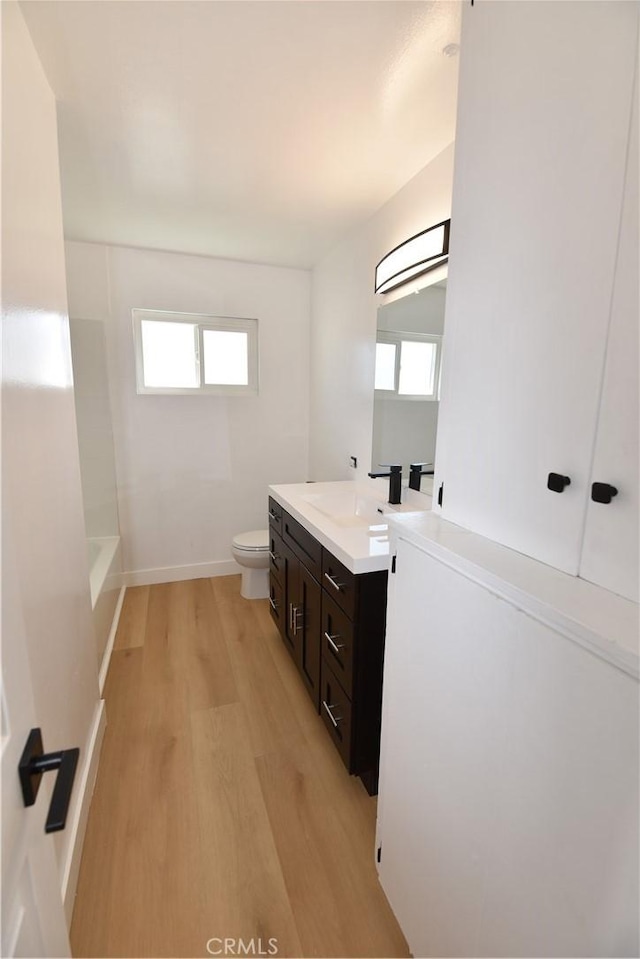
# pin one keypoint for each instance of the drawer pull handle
(274, 605)
(333, 719)
(274, 556)
(295, 624)
(338, 586)
(273, 515)
(336, 647)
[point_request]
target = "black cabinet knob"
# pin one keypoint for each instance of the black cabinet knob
(557, 482)
(603, 492)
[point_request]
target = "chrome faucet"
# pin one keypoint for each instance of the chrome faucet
(395, 481)
(415, 472)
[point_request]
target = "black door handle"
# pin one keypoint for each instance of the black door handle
(33, 763)
(603, 492)
(556, 482)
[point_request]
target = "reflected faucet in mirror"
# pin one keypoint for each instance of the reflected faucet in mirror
(416, 472)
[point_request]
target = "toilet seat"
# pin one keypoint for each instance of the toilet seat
(255, 541)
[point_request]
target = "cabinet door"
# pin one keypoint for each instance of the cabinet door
(508, 807)
(610, 550)
(544, 103)
(441, 700)
(307, 632)
(291, 574)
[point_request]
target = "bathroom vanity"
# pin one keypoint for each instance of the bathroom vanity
(329, 557)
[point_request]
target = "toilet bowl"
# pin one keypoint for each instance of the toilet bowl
(251, 551)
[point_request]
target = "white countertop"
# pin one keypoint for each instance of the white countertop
(362, 548)
(601, 621)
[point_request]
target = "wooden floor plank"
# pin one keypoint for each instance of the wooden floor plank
(198, 643)
(269, 715)
(132, 624)
(339, 906)
(221, 808)
(245, 893)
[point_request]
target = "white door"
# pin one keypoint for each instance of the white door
(610, 549)
(33, 922)
(48, 647)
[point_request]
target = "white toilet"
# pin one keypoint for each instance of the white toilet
(251, 551)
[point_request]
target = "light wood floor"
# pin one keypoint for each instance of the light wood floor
(221, 808)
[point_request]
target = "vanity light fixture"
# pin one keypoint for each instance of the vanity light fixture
(419, 254)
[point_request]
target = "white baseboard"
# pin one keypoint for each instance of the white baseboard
(106, 657)
(77, 828)
(175, 574)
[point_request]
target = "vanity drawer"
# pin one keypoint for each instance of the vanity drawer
(276, 556)
(275, 516)
(335, 709)
(276, 602)
(337, 642)
(304, 545)
(339, 583)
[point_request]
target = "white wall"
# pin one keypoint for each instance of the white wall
(193, 471)
(95, 431)
(40, 469)
(344, 320)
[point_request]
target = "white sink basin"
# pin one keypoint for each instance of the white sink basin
(349, 508)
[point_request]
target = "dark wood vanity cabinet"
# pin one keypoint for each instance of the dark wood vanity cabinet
(333, 623)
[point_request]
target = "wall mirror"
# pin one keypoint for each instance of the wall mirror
(407, 380)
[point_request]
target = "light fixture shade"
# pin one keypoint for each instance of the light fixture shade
(419, 254)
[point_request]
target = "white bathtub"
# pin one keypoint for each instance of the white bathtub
(105, 579)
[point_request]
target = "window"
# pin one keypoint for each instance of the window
(193, 353)
(408, 365)
(386, 366)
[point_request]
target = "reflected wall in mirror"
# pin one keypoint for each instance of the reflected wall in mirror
(407, 380)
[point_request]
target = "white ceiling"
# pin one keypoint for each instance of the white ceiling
(251, 129)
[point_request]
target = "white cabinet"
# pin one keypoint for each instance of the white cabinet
(508, 805)
(545, 97)
(610, 549)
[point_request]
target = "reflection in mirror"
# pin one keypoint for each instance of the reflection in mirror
(407, 380)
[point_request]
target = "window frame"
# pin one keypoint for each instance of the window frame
(397, 337)
(201, 322)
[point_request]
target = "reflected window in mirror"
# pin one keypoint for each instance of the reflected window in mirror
(408, 365)
(385, 366)
(407, 379)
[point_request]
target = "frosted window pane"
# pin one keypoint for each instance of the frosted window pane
(169, 354)
(385, 366)
(417, 368)
(226, 358)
